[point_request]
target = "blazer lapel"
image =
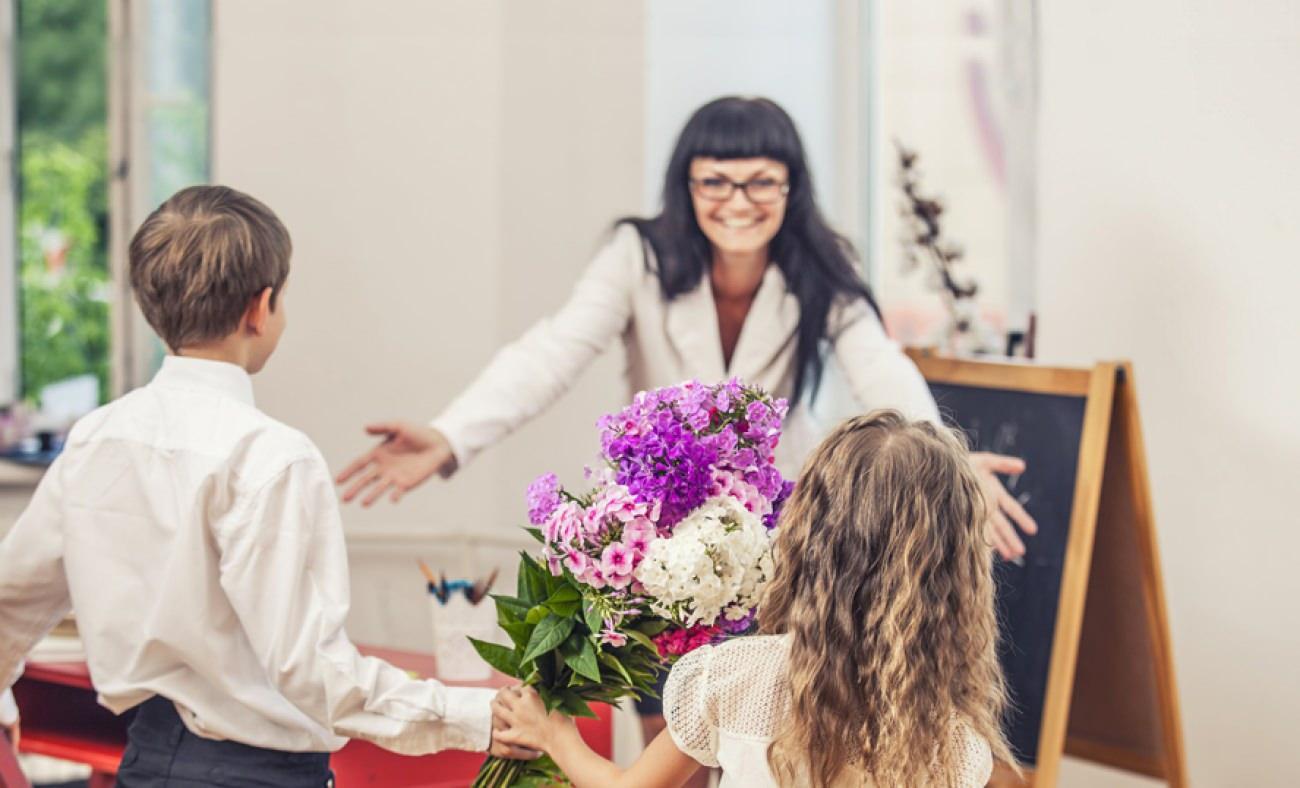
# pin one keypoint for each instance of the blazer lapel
(769, 326)
(692, 325)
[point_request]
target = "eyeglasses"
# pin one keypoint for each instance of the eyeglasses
(760, 191)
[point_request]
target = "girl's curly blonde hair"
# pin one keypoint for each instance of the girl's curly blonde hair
(883, 581)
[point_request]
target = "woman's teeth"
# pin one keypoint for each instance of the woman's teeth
(738, 224)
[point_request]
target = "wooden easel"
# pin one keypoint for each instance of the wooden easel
(1111, 696)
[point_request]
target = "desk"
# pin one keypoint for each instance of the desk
(62, 719)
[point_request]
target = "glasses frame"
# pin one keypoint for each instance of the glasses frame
(732, 186)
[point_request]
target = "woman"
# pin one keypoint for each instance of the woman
(738, 275)
(877, 665)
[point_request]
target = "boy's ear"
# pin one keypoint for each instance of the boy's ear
(258, 312)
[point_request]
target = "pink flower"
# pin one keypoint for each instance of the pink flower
(553, 562)
(617, 559)
(612, 638)
(638, 533)
(576, 562)
(562, 524)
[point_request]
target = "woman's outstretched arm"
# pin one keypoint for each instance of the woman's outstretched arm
(661, 765)
(523, 379)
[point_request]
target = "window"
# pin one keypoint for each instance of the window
(93, 136)
(62, 123)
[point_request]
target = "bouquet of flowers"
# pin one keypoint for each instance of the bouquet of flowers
(669, 550)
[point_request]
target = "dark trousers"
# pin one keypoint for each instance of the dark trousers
(162, 753)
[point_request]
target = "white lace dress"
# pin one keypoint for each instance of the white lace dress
(724, 704)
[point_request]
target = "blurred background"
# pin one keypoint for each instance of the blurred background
(1126, 174)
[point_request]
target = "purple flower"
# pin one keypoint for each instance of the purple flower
(543, 497)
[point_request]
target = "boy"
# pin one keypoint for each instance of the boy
(200, 544)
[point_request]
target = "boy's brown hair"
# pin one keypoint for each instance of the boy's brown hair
(201, 257)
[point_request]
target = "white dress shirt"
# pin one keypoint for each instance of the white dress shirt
(199, 542)
(8, 709)
(724, 705)
(667, 342)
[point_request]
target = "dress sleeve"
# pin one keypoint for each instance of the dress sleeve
(691, 720)
(973, 763)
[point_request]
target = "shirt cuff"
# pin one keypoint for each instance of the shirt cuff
(452, 434)
(468, 721)
(9, 709)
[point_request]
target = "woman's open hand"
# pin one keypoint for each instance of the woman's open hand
(1003, 508)
(408, 455)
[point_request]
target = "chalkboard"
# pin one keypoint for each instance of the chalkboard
(1044, 430)
(1095, 680)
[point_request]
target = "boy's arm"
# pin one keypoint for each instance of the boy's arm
(33, 587)
(284, 569)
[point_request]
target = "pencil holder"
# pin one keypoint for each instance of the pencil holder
(454, 623)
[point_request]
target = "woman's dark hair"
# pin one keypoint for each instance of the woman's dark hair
(817, 262)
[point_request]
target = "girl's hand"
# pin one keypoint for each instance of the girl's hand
(524, 719)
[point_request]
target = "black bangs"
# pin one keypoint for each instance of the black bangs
(740, 128)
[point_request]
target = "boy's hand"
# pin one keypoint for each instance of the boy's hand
(526, 723)
(1003, 508)
(407, 457)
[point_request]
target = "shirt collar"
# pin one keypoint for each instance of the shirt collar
(201, 373)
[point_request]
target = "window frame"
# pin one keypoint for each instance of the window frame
(10, 322)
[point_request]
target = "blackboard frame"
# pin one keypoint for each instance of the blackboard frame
(1126, 713)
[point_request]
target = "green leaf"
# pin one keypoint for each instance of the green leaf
(575, 706)
(536, 614)
(532, 580)
(584, 662)
(550, 633)
(611, 661)
(510, 604)
(519, 632)
(566, 593)
(652, 627)
(536, 533)
(642, 639)
(564, 601)
(591, 616)
(498, 656)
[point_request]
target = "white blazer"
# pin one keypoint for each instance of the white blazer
(667, 342)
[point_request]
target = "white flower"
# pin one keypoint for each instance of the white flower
(717, 561)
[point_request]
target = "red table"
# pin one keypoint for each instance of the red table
(61, 719)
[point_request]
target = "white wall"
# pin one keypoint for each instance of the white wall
(446, 169)
(698, 50)
(1169, 182)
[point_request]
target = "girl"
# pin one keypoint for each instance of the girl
(877, 665)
